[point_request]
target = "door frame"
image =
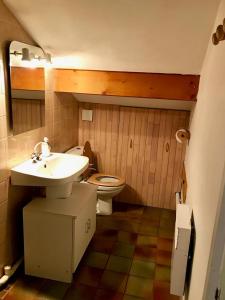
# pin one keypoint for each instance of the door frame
(216, 260)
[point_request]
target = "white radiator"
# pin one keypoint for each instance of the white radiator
(180, 248)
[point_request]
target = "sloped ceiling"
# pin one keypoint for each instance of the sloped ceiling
(124, 35)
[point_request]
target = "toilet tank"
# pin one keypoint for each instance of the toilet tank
(78, 150)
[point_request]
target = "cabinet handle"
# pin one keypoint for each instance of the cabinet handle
(89, 224)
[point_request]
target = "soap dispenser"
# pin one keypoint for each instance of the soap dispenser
(45, 147)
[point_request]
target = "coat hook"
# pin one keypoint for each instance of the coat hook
(220, 34)
(215, 39)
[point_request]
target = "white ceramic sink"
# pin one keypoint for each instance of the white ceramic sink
(57, 170)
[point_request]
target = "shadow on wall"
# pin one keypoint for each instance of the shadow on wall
(128, 194)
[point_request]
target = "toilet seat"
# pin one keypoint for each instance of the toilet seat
(104, 180)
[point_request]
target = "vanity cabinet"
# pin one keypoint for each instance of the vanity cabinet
(58, 231)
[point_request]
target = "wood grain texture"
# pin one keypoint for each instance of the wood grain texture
(27, 79)
(27, 114)
(139, 145)
(128, 84)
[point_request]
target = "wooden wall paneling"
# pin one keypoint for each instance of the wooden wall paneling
(98, 134)
(152, 165)
(178, 161)
(165, 158)
(125, 140)
(120, 141)
(87, 126)
(141, 159)
(179, 181)
(135, 148)
(103, 136)
(108, 138)
(128, 192)
(138, 144)
(159, 158)
(114, 139)
(26, 115)
(172, 153)
(147, 155)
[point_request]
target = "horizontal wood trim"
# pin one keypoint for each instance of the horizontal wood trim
(27, 79)
(127, 84)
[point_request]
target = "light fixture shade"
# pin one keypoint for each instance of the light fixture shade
(25, 54)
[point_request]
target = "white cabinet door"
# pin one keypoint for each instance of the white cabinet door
(83, 230)
(48, 245)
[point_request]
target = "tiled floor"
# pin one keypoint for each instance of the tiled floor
(128, 259)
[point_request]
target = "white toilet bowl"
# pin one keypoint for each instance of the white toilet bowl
(109, 186)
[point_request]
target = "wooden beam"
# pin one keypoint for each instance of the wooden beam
(127, 84)
(27, 79)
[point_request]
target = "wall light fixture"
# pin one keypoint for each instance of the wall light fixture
(34, 60)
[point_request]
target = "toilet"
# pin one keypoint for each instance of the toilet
(109, 186)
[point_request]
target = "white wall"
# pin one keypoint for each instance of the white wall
(205, 157)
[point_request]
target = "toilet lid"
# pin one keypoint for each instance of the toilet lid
(106, 180)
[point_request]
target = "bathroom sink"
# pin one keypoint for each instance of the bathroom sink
(57, 169)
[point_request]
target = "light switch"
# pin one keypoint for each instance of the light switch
(87, 115)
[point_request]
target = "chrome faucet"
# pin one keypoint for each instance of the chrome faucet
(36, 155)
(45, 150)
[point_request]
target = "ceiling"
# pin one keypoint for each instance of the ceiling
(121, 35)
(136, 102)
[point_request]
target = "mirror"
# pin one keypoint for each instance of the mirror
(27, 87)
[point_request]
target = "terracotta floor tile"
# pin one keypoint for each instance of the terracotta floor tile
(133, 239)
(152, 212)
(167, 223)
(102, 294)
(145, 253)
(128, 297)
(163, 258)
(147, 229)
(102, 245)
(168, 214)
(161, 291)
(142, 268)
(113, 281)
(148, 221)
(130, 226)
(123, 249)
(88, 276)
(127, 209)
(96, 260)
(146, 240)
(167, 233)
(25, 288)
(164, 244)
(80, 292)
(162, 273)
(103, 223)
(106, 233)
(127, 237)
(140, 287)
(119, 264)
(53, 290)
